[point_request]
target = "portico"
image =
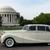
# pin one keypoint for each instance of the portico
(9, 16)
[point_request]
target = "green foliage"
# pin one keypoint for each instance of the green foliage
(25, 22)
(21, 19)
(42, 19)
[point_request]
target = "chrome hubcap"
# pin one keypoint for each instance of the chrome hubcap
(9, 42)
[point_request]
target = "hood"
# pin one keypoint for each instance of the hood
(13, 31)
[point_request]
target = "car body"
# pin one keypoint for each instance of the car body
(32, 33)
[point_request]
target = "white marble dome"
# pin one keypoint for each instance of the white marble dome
(7, 9)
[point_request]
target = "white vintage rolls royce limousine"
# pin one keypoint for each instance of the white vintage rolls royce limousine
(32, 33)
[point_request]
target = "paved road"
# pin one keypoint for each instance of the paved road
(29, 47)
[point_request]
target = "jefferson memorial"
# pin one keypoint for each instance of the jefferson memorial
(9, 16)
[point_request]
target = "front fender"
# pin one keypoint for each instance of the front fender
(17, 39)
(3, 37)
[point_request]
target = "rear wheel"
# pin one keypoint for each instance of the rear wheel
(9, 42)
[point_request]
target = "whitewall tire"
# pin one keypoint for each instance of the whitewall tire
(9, 42)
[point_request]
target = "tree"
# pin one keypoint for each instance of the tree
(21, 19)
(25, 22)
(42, 19)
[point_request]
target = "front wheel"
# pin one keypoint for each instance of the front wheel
(9, 42)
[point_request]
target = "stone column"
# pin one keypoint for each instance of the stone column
(6, 18)
(11, 18)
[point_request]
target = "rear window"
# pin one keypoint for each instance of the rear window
(32, 27)
(41, 28)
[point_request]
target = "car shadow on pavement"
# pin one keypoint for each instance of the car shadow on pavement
(31, 45)
(27, 45)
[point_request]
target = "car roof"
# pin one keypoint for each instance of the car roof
(36, 25)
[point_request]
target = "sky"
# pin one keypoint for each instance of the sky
(28, 8)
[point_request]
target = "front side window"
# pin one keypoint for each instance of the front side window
(32, 27)
(41, 28)
(25, 27)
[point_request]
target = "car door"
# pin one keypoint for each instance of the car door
(30, 35)
(43, 34)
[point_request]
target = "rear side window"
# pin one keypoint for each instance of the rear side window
(32, 28)
(47, 28)
(41, 28)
